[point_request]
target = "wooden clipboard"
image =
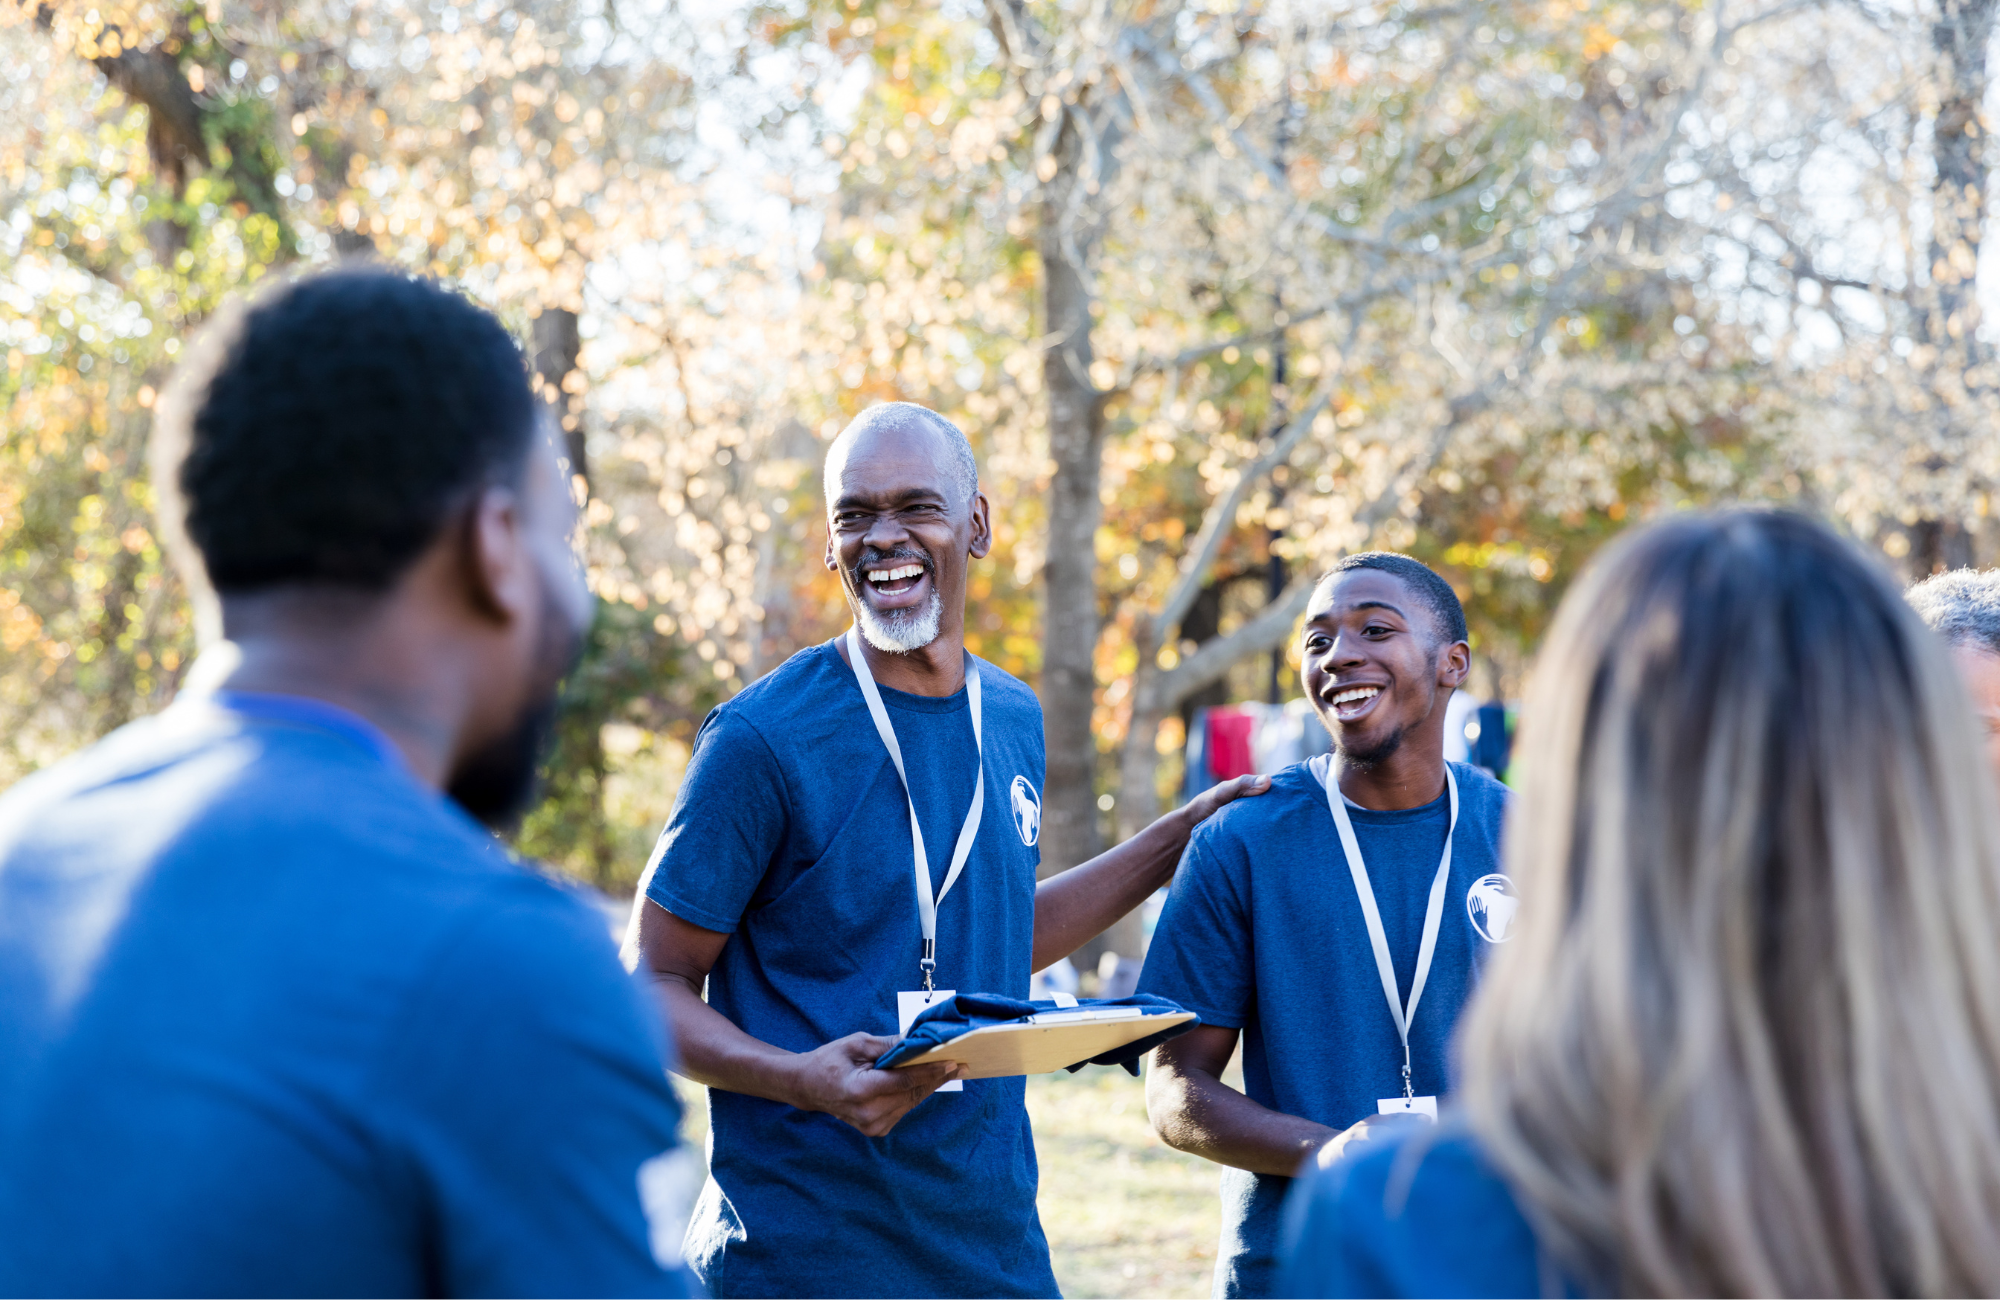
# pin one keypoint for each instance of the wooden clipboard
(1047, 1042)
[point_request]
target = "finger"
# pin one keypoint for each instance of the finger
(1216, 796)
(869, 1045)
(1255, 783)
(884, 1083)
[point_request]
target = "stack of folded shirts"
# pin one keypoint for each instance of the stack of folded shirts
(962, 1013)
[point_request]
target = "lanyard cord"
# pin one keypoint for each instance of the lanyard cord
(1377, 937)
(926, 905)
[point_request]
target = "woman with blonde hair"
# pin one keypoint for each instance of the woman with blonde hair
(1745, 1036)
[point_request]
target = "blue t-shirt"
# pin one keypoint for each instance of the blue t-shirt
(1415, 1213)
(791, 835)
(1263, 932)
(277, 1020)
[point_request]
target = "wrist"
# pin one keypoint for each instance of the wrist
(782, 1077)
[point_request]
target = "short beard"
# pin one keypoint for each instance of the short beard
(900, 631)
(1365, 760)
(499, 782)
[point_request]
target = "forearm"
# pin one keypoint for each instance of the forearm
(1194, 1111)
(1079, 904)
(717, 1054)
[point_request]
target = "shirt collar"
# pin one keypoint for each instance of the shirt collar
(318, 714)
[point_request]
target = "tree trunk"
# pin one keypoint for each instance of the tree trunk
(1961, 36)
(557, 344)
(1070, 618)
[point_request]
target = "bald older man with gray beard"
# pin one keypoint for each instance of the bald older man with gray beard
(784, 886)
(1963, 607)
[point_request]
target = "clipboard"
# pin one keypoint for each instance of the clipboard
(1048, 1041)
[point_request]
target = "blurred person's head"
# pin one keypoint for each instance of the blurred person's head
(1745, 1035)
(1383, 647)
(904, 519)
(359, 454)
(1963, 606)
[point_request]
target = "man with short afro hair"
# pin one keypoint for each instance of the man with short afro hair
(278, 1015)
(1287, 909)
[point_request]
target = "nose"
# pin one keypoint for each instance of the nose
(885, 533)
(1345, 652)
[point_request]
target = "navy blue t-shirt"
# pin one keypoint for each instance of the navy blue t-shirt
(1263, 932)
(277, 1020)
(791, 835)
(1414, 1213)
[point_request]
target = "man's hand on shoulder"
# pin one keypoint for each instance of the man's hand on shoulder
(1200, 808)
(841, 1080)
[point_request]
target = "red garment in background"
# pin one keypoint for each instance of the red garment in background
(1229, 752)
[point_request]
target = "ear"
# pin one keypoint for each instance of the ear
(497, 567)
(1454, 664)
(832, 554)
(982, 527)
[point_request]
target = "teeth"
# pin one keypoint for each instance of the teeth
(896, 574)
(1357, 694)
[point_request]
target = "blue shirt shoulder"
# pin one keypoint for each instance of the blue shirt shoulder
(1418, 1212)
(274, 1017)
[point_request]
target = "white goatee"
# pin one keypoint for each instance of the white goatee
(900, 631)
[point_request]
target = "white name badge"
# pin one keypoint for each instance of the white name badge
(1426, 1107)
(914, 1002)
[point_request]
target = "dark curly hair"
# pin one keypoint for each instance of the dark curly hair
(350, 416)
(1422, 580)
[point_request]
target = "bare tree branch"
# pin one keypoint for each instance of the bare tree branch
(1265, 630)
(1220, 519)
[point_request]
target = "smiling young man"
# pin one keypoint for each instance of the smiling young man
(789, 884)
(1288, 909)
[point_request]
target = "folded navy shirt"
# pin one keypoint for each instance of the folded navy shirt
(965, 1012)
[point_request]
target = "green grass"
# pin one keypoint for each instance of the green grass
(1125, 1214)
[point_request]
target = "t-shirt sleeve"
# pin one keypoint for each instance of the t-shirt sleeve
(1200, 954)
(1418, 1214)
(530, 1116)
(1330, 1229)
(727, 825)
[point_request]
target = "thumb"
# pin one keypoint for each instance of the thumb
(866, 1047)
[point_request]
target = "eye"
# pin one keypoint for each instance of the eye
(1376, 629)
(1317, 641)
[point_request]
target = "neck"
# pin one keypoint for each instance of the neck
(937, 669)
(1409, 778)
(404, 696)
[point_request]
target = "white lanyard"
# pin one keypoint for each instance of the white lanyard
(1433, 915)
(926, 905)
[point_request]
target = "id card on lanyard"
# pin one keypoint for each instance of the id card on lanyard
(911, 1002)
(1403, 1015)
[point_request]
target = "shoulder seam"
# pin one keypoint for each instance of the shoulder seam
(784, 783)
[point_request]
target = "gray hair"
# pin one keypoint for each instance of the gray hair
(963, 468)
(1962, 606)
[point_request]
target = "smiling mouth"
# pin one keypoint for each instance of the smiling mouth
(1350, 702)
(894, 580)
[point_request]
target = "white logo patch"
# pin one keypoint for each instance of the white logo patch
(1027, 811)
(1491, 904)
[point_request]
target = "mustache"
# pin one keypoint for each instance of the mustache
(874, 559)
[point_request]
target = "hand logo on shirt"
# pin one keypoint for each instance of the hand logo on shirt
(1027, 811)
(1491, 904)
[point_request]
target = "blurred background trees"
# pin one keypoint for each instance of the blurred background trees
(1218, 292)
